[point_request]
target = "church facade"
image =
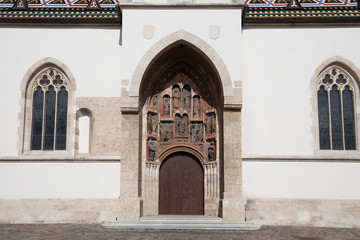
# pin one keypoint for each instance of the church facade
(117, 109)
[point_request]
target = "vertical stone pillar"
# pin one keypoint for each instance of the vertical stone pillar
(233, 204)
(129, 179)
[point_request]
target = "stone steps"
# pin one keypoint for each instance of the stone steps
(182, 222)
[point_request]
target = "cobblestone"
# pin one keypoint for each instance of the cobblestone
(96, 232)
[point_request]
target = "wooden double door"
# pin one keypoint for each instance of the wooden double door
(181, 187)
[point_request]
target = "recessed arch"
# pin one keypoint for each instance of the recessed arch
(190, 40)
(178, 125)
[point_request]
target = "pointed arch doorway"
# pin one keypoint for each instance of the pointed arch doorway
(181, 118)
(181, 185)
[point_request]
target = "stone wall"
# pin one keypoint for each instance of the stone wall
(106, 124)
(304, 212)
(59, 210)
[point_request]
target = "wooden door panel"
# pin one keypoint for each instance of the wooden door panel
(181, 188)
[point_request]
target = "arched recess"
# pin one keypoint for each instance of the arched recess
(353, 72)
(197, 44)
(84, 131)
(181, 100)
(26, 108)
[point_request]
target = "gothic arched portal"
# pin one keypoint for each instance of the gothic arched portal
(181, 100)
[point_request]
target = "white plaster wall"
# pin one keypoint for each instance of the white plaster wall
(59, 180)
(195, 21)
(321, 180)
(92, 55)
(278, 66)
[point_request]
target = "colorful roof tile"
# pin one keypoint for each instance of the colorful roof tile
(60, 11)
(107, 11)
(310, 11)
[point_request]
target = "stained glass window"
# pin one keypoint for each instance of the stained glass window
(336, 110)
(49, 111)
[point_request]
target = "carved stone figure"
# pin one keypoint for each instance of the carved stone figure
(187, 102)
(181, 126)
(196, 108)
(166, 134)
(199, 134)
(211, 152)
(176, 98)
(154, 124)
(163, 134)
(155, 99)
(213, 124)
(169, 134)
(152, 151)
(166, 107)
(196, 132)
(207, 123)
(149, 124)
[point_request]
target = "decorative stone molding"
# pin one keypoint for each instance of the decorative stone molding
(166, 42)
(148, 31)
(354, 73)
(214, 31)
(24, 130)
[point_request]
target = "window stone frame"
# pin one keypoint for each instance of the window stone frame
(354, 73)
(25, 115)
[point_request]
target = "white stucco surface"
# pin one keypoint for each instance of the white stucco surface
(59, 180)
(194, 21)
(92, 55)
(278, 67)
(321, 180)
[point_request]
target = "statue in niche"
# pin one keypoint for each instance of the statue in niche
(213, 124)
(169, 134)
(166, 107)
(196, 132)
(151, 124)
(211, 152)
(151, 151)
(196, 108)
(182, 126)
(207, 123)
(199, 133)
(176, 98)
(187, 102)
(166, 134)
(155, 99)
(154, 125)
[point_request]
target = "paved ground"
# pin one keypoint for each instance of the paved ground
(96, 232)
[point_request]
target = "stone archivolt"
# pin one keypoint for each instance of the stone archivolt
(179, 113)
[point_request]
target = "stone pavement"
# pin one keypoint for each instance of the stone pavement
(96, 232)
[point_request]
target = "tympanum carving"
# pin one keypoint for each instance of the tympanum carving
(179, 113)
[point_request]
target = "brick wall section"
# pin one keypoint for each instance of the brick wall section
(106, 124)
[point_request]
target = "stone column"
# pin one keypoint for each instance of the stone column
(129, 180)
(233, 204)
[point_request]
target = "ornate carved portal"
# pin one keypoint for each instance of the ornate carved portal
(180, 118)
(178, 113)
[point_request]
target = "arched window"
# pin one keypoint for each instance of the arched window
(49, 111)
(336, 118)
